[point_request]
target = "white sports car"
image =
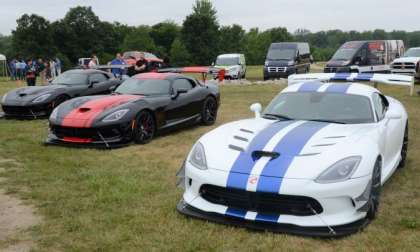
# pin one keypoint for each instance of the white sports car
(312, 164)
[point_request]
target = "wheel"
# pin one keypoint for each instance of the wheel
(209, 111)
(145, 127)
(375, 191)
(266, 78)
(404, 148)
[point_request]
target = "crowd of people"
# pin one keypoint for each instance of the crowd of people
(29, 70)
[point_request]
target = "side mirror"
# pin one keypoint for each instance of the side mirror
(179, 91)
(256, 108)
(392, 115)
(93, 83)
(112, 89)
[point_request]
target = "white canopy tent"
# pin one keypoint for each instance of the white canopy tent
(3, 65)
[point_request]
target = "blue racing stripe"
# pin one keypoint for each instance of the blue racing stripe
(310, 86)
(340, 76)
(364, 77)
(288, 147)
(242, 167)
(238, 213)
(338, 88)
(267, 217)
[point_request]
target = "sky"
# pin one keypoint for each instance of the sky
(314, 15)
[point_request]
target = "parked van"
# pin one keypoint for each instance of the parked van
(284, 59)
(365, 56)
(234, 65)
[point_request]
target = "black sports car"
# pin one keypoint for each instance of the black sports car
(139, 108)
(39, 101)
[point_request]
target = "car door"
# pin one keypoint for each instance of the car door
(185, 97)
(389, 132)
(98, 84)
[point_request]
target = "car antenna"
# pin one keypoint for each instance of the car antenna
(332, 231)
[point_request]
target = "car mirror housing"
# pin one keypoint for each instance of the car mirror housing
(392, 115)
(256, 108)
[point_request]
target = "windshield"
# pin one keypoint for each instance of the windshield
(342, 108)
(344, 54)
(224, 61)
(144, 87)
(71, 79)
(281, 54)
(412, 53)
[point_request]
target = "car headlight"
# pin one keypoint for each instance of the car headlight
(198, 157)
(54, 114)
(3, 99)
(41, 98)
(290, 63)
(266, 63)
(117, 115)
(340, 171)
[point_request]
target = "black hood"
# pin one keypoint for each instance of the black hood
(338, 63)
(28, 94)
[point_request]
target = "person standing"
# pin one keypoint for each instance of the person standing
(41, 70)
(93, 62)
(139, 67)
(53, 69)
(30, 73)
(117, 72)
(58, 66)
(12, 67)
(23, 66)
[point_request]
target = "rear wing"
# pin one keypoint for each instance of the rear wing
(204, 71)
(389, 79)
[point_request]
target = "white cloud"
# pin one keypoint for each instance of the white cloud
(311, 14)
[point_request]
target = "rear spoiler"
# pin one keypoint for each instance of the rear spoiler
(195, 69)
(389, 79)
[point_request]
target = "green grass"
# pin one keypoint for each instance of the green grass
(124, 199)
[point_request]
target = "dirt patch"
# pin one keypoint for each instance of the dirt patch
(15, 218)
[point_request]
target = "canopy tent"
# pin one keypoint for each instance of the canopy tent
(3, 66)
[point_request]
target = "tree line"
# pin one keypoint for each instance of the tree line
(197, 41)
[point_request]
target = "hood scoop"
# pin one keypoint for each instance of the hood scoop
(259, 154)
(83, 110)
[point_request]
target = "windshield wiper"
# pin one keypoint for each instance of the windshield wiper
(325, 120)
(276, 116)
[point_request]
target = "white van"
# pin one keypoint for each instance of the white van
(234, 65)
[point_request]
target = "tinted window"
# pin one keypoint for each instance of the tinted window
(380, 106)
(71, 78)
(281, 54)
(347, 51)
(182, 84)
(323, 106)
(98, 77)
(144, 87)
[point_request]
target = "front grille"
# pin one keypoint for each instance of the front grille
(402, 65)
(330, 70)
(24, 110)
(277, 69)
(87, 133)
(266, 203)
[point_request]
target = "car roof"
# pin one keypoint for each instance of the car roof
(85, 71)
(229, 55)
(350, 88)
(158, 76)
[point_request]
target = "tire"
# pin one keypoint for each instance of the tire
(145, 127)
(404, 148)
(209, 111)
(375, 191)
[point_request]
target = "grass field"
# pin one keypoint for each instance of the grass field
(124, 199)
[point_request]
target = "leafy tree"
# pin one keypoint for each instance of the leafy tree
(32, 37)
(164, 35)
(179, 54)
(200, 33)
(139, 40)
(232, 39)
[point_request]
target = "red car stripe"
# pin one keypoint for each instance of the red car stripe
(77, 140)
(84, 116)
(153, 75)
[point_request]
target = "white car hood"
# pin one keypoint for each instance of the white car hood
(407, 60)
(305, 148)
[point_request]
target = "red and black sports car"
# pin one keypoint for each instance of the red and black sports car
(39, 101)
(139, 108)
